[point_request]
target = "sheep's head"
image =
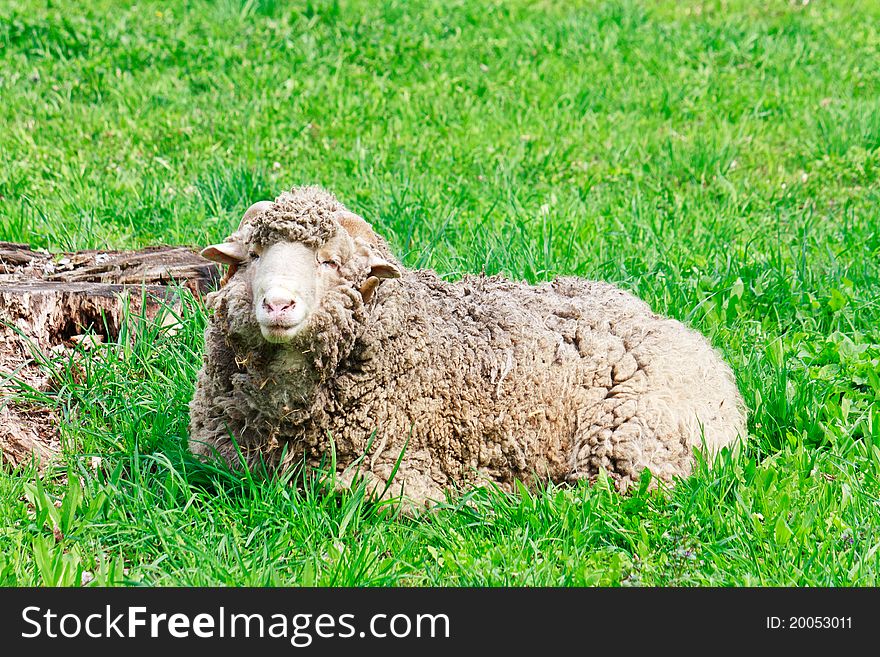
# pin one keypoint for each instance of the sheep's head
(295, 257)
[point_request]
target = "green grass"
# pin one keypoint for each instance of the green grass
(721, 160)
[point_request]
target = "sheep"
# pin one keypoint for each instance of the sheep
(322, 348)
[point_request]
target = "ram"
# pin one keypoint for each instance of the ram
(322, 348)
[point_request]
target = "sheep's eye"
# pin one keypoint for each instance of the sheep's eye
(253, 255)
(332, 264)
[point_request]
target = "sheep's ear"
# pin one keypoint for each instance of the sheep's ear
(232, 252)
(227, 253)
(368, 288)
(381, 268)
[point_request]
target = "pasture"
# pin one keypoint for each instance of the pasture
(719, 159)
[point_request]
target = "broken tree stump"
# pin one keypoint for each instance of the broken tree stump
(51, 301)
(53, 313)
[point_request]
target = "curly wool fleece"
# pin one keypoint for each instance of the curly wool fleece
(303, 216)
(480, 380)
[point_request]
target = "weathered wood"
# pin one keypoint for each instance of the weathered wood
(16, 257)
(53, 298)
(27, 432)
(49, 302)
(155, 265)
(53, 313)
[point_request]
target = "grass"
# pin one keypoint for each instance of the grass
(719, 159)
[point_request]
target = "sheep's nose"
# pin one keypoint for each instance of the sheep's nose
(277, 303)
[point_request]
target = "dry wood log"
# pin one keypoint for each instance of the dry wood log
(27, 432)
(53, 298)
(52, 313)
(158, 265)
(50, 301)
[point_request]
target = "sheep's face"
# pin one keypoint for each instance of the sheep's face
(283, 284)
(289, 281)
